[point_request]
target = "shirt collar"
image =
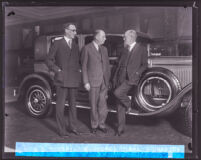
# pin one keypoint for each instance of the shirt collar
(131, 46)
(67, 39)
(96, 45)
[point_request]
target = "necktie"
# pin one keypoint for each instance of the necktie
(100, 53)
(129, 48)
(70, 43)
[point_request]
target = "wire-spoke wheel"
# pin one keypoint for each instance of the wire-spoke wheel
(37, 100)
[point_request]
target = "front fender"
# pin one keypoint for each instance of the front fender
(32, 77)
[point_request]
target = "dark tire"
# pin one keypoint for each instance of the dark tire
(185, 115)
(181, 120)
(38, 100)
(188, 120)
(157, 87)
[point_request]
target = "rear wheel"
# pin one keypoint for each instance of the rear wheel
(157, 87)
(38, 100)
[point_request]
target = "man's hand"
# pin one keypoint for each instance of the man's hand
(87, 86)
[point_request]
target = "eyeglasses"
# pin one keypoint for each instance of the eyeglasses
(73, 30)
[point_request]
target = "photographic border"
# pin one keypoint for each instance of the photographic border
(196, 57)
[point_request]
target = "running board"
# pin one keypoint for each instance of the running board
(166, 110)
(110, 110)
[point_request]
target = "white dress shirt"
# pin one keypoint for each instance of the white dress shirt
(67, 41)
(132, 46)
(96, 45)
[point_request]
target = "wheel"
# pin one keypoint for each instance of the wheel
(38, 100)
(181, 120)
(188, 119)
(157, 87)
(186, 115)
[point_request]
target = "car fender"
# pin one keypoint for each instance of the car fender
(34, 76)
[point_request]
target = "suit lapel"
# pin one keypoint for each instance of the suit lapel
(133, 53)
(94, 50)
(66, 47)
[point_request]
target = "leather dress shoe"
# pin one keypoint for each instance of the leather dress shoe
(63, 136)
(74, 132)
(104, 130)
(119, 133)
(93, 130)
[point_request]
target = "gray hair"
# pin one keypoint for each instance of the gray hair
(97, 31)
(132, 33)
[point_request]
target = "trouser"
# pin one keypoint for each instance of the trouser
(98, 103)
(62, 94)
(123, 102)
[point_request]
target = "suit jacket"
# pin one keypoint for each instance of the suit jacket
(95, 65)
(131, 65)
(61, 56)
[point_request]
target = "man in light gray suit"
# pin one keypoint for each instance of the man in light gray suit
(96, 74)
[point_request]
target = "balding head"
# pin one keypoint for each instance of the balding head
(99, 36)
(130, 36)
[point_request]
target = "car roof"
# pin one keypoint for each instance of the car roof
(140, 34)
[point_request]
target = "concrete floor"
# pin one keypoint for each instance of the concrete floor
(20, 127)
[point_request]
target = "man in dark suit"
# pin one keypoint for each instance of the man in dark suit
(63, 60)
(96, 74)
(132, 63)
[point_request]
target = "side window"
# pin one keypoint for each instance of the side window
(114, 45)
(185, 48)
(171, 48)
(88, 39)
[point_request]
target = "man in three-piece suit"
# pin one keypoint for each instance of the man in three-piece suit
(63, 60)
(132, 63)
(96, 74)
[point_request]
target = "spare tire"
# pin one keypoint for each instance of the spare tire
(157, 87)
(42, 46)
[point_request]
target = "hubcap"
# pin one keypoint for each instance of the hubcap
(37, 101)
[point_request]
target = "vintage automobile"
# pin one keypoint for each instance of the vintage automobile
(164, 89)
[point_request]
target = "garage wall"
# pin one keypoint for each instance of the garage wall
(159, 23)
(111, 22)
